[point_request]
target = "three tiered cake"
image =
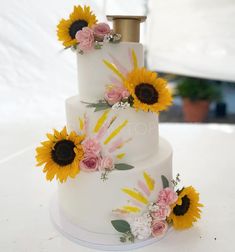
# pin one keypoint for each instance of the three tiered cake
(115, 172)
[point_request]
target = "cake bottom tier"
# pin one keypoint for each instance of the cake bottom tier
(89, 202)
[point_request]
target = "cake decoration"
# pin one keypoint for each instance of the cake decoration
(61, 155)
(185, 211)
(83, 32)
(177, 208)
(65, 154)
(138, 88)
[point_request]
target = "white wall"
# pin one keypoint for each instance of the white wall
(192, 37)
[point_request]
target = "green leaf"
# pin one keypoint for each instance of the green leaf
(165, 181)
(101, 108)
(123, 167)
(98, 106)
(121, 226)
(92, 105)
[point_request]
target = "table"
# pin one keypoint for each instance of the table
(204, 155)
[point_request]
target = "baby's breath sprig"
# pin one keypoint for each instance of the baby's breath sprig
(121, 105)
(128, 236)
(98, 45)
(104, 175)
(176, 181)
(112, 38)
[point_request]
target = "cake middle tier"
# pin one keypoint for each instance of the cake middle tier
(140, 133)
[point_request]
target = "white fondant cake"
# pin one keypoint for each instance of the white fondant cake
(88, 201)
(115, 189)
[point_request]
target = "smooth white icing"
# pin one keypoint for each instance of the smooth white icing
(93, 75)
(142, 128)
(88, 201)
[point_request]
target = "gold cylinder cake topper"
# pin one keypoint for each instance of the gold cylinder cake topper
(127, 26)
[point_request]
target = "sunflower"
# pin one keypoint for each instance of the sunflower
(148, 92)
(79, 18)
(60, 155)
(185, 211)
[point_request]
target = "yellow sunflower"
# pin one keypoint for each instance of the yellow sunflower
(148, 92)
(79, 18)
(60, 155)
(186, 211)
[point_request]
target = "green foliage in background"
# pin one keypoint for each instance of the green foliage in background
(198, 89)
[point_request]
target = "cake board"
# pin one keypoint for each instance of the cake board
(83, 237)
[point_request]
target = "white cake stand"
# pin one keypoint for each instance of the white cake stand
(89, 239)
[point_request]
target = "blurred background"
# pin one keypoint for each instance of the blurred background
(189, 42)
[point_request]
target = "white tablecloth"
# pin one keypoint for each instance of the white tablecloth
(203, 155)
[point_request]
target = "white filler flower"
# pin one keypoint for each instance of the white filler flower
(121, 105)
(141, 226)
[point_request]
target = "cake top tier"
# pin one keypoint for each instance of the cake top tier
(128, 26)
(112, 74)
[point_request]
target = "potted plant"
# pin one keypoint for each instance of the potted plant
(197, 95)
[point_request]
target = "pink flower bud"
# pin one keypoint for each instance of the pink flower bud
(159, 228)
(100, 30)
(90, 163)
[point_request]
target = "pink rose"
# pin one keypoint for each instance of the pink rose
(159, 228)
(85, 38)
(100, 30)
(162, 212)
(90, 163)
(107, 164)
(91, 145)
(113, 95)
(167, 196)
(125, 93)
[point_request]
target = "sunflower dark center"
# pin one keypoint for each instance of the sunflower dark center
(76, 26)
(183, 208)
(63, 153)
(146, 93)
